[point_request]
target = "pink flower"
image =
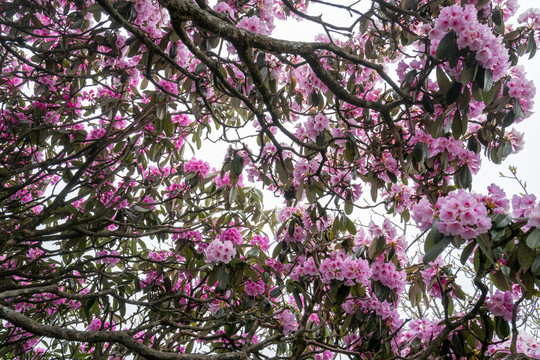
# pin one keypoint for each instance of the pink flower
(523, 205)
(197, 166)
(233, 235)
(95, 325)
(255, 289)
(287, 321)
(109, 259)
(534, 217)
(34, 253)
(501, 304)
(222, 251)
(423, 214)
(462, 214)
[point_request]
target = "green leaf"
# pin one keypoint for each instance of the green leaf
(342, 293)
(484, 79)
(348, 207)
(457, 125)
(412, 4)
(453, 93)
(501, 220)
(477, 92)
(533, 240)
(531, 45)
(500, 281)
(237, 164)
(222, 278)
(428, 103)
(484, 243)
(466, 253)
(497, 16)
(535, 267)
(447, 45)
(463, 177)
(283, 175)
(167, 126)
(297, 298)
(349, 225)
(468, 73)
(436, 250)
(443, 80)
(502, 327)
(525, 256)
(161, 111)
(509, 118)
(489, 96)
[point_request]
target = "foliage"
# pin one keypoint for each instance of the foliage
(119, 239)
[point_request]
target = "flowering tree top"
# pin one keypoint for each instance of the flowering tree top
(120, 240)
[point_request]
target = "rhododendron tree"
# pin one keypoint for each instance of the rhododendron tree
(178, 182)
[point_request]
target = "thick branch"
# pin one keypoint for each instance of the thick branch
(122, 337)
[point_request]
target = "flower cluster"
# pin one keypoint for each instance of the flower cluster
(110, 259)
(523, 206)
(96, 325)
(463, 214)
(386, 273)
(501, 304)
(287, 321)
(34, 253)
(531, 17)
(460, 213)
(316, 124)
(400, 196)
(255, 289)
(197, 166)
(423, 214)
(525, 344)
(342, 267)
(496, 200)
(522, 89)
(254, 25)
(232, 235)
(490, 50)
(431, 272)
(222, 251)
(260, 241)
(423, 329)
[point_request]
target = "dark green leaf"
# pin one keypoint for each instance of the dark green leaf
(412, 4)
(237, 164)
(535, 267)
(466, 253)
(531, 45)
(428, 104)
(497, 16)
(349, 225)
(453, 93)
(436, 250)
(275, 292)
(533, 240)
(500, 281)
(222, 278)
(447, 45)
(297, 298)
(443, 80)
(509, 119)
(501, 327)
(457, 125)
(463, 177)
(525, 256)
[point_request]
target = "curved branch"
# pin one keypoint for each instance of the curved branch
(122, 337)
